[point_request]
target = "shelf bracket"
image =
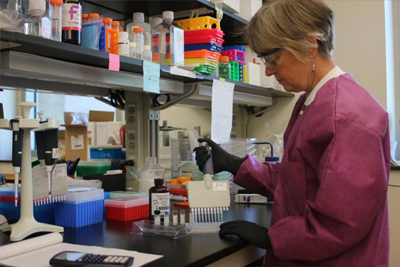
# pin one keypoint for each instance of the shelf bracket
(7, 45)
(194, 89)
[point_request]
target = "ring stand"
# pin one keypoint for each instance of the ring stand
(27, 224)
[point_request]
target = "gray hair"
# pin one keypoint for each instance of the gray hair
(289, 24)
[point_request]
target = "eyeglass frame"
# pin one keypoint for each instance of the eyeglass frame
(269, 62)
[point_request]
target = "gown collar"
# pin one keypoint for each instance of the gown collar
(335, 72)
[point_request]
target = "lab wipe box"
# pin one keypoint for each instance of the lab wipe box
(83, 206)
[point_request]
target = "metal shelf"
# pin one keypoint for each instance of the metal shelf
(42, 64)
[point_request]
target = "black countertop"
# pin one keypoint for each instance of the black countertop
(190, 250)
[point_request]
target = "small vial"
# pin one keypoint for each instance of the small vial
(132, 49)
(107, 23)
(166, 218)
(174, 217)
(182, 219)
(157, 218)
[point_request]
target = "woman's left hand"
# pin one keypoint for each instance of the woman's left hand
(251, 232)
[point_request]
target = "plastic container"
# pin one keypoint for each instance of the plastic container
(56, 7)
(209, 39)
(148, 172)
(208, 32)
(37, 23)
(72, 22)
(224, 68)
(161, 35)
(201, 61)
(202, 54)
(92, 167)
(138, 38)
(211, 47)
(138, 21)
(150, 228)
(235, 55)
(147, 55)
(84, 206)
(130, 208)
(107, 152)
(123, 44)
(159, 199)
(235, 70)
(121, 194)
(91, 30)
(199, 23)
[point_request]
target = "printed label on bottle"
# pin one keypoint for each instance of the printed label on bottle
(72, 17)
(160, 201)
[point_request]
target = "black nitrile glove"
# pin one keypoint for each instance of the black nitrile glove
(251, 232)
(222, 160)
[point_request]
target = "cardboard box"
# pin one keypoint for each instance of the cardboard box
(76, 139)
(99, 127)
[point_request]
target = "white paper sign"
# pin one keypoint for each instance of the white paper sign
(222, 109)
(77, 142)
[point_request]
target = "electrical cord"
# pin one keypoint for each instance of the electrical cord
(156, 99)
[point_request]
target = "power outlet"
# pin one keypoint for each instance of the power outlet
(131, 145)
(131, 135)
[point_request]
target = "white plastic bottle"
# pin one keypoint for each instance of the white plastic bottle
(37, 23)
(123, 44)
(147, 55)
(138, 21)
(148, 172)
(132, 49)
(56, 19)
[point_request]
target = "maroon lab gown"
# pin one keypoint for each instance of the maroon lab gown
(330, 189)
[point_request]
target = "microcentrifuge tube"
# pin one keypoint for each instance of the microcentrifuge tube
(182, 216)
(157, 220)
(174, 217)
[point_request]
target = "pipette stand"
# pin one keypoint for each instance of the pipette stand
(27, 224)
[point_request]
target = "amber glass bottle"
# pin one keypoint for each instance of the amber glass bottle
(159, 198)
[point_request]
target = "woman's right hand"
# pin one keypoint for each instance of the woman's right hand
(222, 160)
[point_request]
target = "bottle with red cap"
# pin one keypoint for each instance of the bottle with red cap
(56, 7)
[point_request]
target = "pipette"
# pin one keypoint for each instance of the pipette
(17, 154)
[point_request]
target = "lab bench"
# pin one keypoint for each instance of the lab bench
(191, 250)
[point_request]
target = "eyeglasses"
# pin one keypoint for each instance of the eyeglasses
(267, 60)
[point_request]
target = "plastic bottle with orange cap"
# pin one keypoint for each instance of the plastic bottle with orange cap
(56, 7)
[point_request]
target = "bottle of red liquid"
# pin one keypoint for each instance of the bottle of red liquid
(72, 22)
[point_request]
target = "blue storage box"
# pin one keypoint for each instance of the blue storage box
(107, 152)
(211, 47)
(78, 215)
(83, 206)
(44, 213)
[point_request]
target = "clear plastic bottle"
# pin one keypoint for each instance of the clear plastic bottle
(132, 49)
(138, 21)
(148, 172)
(72, 22)
(224, 68)
(161, 37)
(138, 39)
(158, 199)
(147, 55)
(123, 44)
(37, 23)
(56, 7)
(155, 21)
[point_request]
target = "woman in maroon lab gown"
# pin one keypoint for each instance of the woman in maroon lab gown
(330, 188)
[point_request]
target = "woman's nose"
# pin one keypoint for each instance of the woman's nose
(269, 72)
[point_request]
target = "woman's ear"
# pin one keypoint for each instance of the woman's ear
(313, 51)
